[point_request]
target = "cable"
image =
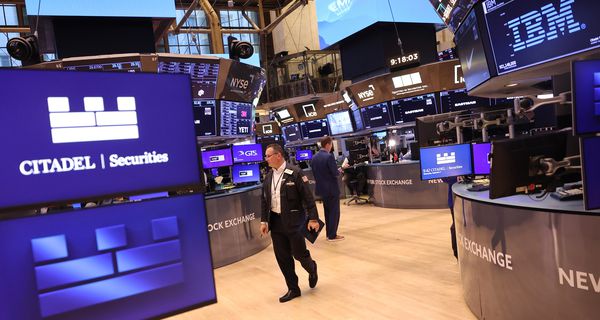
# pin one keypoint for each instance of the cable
(396, 28)
(37, 20)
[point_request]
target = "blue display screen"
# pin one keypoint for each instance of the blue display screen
(481, 158)
(304, 155)
(237, 118)
(129, 261)
(104, 8)
(445, 161)
(338, 19)
(376, 116)
(247, 153)
(314, 128)
(244, 173)
(339, 122)
(586, 96)
(216, 158)
(526, 33)
(291, 133)
(205, 118)
(82, 135)
(590, 152)
(358, 123)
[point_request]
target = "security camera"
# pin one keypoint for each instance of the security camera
(24, 49)
(239, 49)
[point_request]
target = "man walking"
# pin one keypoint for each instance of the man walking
(286, 201)
(326, 175)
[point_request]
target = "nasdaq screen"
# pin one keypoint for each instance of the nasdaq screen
(65, 128)
(376, 115)
(408, 109)
(237, 118)
(527, 33)
(445, 161)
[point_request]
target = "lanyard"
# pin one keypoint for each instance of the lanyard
(278, 181)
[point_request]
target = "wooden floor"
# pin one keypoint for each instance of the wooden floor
(394, 264)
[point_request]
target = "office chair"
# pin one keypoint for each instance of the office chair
(355, 180)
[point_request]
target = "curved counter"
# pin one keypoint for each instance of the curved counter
(311, 181)
(234, 225)
(399, 185)
(525, 258)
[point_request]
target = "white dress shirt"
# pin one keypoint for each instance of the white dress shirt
(276, 188)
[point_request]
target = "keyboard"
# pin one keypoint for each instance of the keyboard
(567, 194)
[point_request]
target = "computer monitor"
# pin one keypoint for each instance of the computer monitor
(356, 117)
(590, 161)
(246, 173)
(481, 158)
(216, 158)
(340, 122)
(303, 155)
(459, 100)
(247, 153)
(376, 115)
(408, 109)
(291, 133)
(203, 73)
(445, 161)
(513, 166)
(237, 118)
(585, 76)
(313, 129)
(205, 118)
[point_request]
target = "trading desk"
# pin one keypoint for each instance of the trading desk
(399, 185)
(526, 258)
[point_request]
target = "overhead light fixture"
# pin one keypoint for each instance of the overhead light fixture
(230, 3)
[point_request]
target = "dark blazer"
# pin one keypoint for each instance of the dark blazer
(296, 198)
(326, 174)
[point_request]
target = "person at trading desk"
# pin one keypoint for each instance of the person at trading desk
(286, 200)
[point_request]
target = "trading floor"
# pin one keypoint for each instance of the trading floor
(394, 264)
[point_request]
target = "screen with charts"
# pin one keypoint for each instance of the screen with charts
(237, 118)
(376, 116)
(245, 173)
(481, 158)
(291, 133)
(204, 75)
(527, 33)
(445, 161)
(216, 158)
(585, 77)
(205, 118)
(247, 153)
(340, 122)
(408, 109)
(314, 128)
(459, 100)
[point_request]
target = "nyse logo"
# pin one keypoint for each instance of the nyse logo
(239, 83)
(557, 23)
(248, 153)
(340, 7)
(217, 158)
(445, 158)
(367, 94)
(95, 124)
(407, 80)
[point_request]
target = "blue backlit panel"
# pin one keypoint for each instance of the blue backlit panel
(164, 266)
(126, 132)
(111, 237)
(445, 161)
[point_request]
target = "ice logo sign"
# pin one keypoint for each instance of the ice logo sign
(557, 21)
(94, 124)
(445, 158)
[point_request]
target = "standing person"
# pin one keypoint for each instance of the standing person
(286, 200)
(326, 177)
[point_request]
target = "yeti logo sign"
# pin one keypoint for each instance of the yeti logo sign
(95, 124)
(239, 83)
(558, 22)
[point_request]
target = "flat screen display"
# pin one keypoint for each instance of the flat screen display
(376, 116)
(205, 118)
(340, 122)
(586, 96)
(445, 161)
(314, 128)
(245, 173)
(65, 129)
(481, 158)
(136, 260)
(527, 33)
(448, 54)
(356, 116)
(116, 66)
(237, 118)
(471, 51)
(452, 12)
(407, 110)
(291, 133)
(590, 152)
(247, 153)
(459, 100)
(216, 158)
(304, 155)
(204, 74)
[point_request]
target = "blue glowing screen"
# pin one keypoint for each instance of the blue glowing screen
(445, 161)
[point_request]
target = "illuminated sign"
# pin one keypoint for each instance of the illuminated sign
(405, 60)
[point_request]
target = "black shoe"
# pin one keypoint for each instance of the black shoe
(291, 294)
(313, 277)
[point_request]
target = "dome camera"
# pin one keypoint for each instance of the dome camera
(24, 49)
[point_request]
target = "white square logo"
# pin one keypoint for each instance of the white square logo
(445, 158)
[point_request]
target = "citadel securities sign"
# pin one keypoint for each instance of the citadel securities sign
(73, 136)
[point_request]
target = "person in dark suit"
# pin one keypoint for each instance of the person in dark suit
(326, 175)
(286, 201)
